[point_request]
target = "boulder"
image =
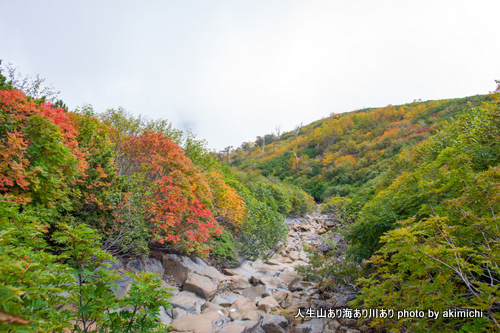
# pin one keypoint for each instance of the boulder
(187, 301)
(269, 269)
(213, 274)
(286, 260)
(243, 306)
(311, 326)
(153, 265)
(273, 283)
(250, 325)
(280, 295)
(202, 323)
(179, 267)
(164, 317)
(226, 299)
(234, 315)
(267, 304)
(201, 286)
(179, 313)
(224, 312)
(274, 323)
(171, 289)
(291, 285)
(122, 286)
(273, 262)
(233, 328)
(324, 247)
(253, 292)
(135, 265)
(211, 305)
(238, 283)
(252, 316)
(294, 255)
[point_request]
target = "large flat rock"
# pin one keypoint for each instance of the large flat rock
(201, 286)
(188, 301)
(202, 323)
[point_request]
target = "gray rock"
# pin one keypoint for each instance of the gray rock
(311, 326)
(254, 292)
(211, 305)
(303, 328)
(238, 283)
(179, 313)
(187, 301)
(173, 290)
(164, 317)
(267, 304)
(200, 262)
(274, 323)
(213, 274)
(258, 329)
(122, 286)
(250, 325)
(153, 265)
(135, 265)
(324, 247)
(180, 267)
(280, 295)
(288, 276)
(273, 283)
(226, 299)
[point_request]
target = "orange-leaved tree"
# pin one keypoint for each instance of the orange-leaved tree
(228, 207)
(39, 153)
(176, 196)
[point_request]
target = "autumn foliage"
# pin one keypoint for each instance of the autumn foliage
(131, 186)
(40, 156)
(180, 195)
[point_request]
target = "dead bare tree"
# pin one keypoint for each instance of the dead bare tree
(277, 135)
(296, 132)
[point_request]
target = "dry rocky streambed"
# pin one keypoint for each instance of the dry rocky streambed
(258, 296)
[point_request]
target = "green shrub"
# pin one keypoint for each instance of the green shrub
(444, 255)
(224, 251)
(263, 231)
(43, 292)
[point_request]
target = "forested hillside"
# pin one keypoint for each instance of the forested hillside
(346, 154)
(79, 186)
(417, 189)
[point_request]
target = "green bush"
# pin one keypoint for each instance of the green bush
(43, 292)
(263, 230)
(437, 231)
(224, 251)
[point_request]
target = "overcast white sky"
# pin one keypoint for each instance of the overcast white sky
(232, 70)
